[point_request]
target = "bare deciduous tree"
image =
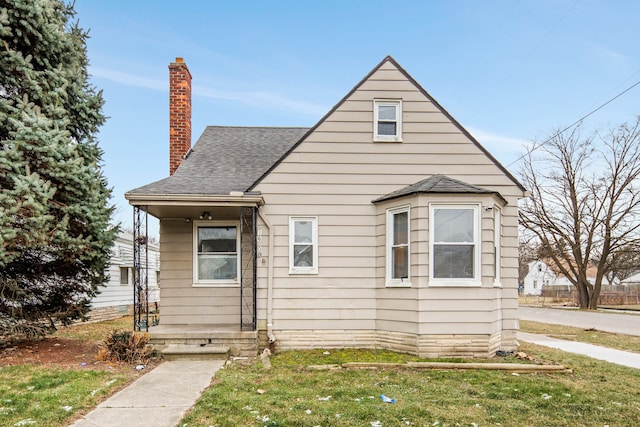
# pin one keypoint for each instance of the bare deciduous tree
(584, 204)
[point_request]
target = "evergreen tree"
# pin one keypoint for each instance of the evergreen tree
(55, 237)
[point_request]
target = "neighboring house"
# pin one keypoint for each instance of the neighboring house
(385, 225)
(116, 297)
(539, 276)
(542, 274)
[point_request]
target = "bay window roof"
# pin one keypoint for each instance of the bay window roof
(438, 184)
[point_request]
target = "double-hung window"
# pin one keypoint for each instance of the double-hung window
(124, 275)
(217, 256)
(398, 247)
(455, 246)
(303, 245)
(387, 123)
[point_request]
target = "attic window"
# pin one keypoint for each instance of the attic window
(387, 124)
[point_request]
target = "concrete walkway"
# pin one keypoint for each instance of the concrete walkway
(619, 357)
(159, 398)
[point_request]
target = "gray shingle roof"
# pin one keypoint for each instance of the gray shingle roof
(225, 159)
(437, 184)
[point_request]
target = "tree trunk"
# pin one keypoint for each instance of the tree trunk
(588, 295)
(583, 296)
(593, 298)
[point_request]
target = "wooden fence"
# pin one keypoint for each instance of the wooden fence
(610, 295)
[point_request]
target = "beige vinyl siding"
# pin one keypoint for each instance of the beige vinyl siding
(336, 173)
(181, 302)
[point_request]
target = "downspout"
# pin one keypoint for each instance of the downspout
(272, 337)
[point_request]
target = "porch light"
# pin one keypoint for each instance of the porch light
(206, 215)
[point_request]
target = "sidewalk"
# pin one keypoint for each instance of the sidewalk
(624, 358)
(159, 398)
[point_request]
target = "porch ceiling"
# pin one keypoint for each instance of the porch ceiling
(192, 206)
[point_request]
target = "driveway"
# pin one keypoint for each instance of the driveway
(622, 323)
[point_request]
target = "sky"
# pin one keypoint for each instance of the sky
(511, 72)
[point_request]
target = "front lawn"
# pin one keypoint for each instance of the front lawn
(53, 381)
(596, 393)
(42, 396)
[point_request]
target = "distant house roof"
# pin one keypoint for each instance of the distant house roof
(226, 159)
(633, 279)
(438, 184)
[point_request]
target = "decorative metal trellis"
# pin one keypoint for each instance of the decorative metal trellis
(140, 269)
(248, 270)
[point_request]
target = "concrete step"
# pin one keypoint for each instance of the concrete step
(240, 343)
(195, 352)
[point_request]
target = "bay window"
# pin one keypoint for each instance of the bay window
(398, 247)
(455, 246)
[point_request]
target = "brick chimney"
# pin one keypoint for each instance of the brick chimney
(179, 113)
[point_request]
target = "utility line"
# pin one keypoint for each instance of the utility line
(535, 147)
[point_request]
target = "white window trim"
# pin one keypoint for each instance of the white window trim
(388, 102)
(314, 242)
(213, 283)
(391, 282)
(476, 281)
(497, 242)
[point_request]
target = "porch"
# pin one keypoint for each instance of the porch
(208, 279)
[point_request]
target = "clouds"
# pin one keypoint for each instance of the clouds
(256, 99)
(128, 79)
(505, 148)
(263, 99)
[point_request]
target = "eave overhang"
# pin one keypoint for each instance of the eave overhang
(188, 205)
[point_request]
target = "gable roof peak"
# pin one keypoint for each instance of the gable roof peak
(389, 58)
(392, 60)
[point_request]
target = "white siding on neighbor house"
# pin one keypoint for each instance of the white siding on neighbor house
(335, 174)
(183, 303)
(115, 294)
(539, 275)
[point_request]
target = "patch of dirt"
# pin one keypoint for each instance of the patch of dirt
(52, 351)
(60, 352)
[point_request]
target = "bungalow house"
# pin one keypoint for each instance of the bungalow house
(385, 225)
